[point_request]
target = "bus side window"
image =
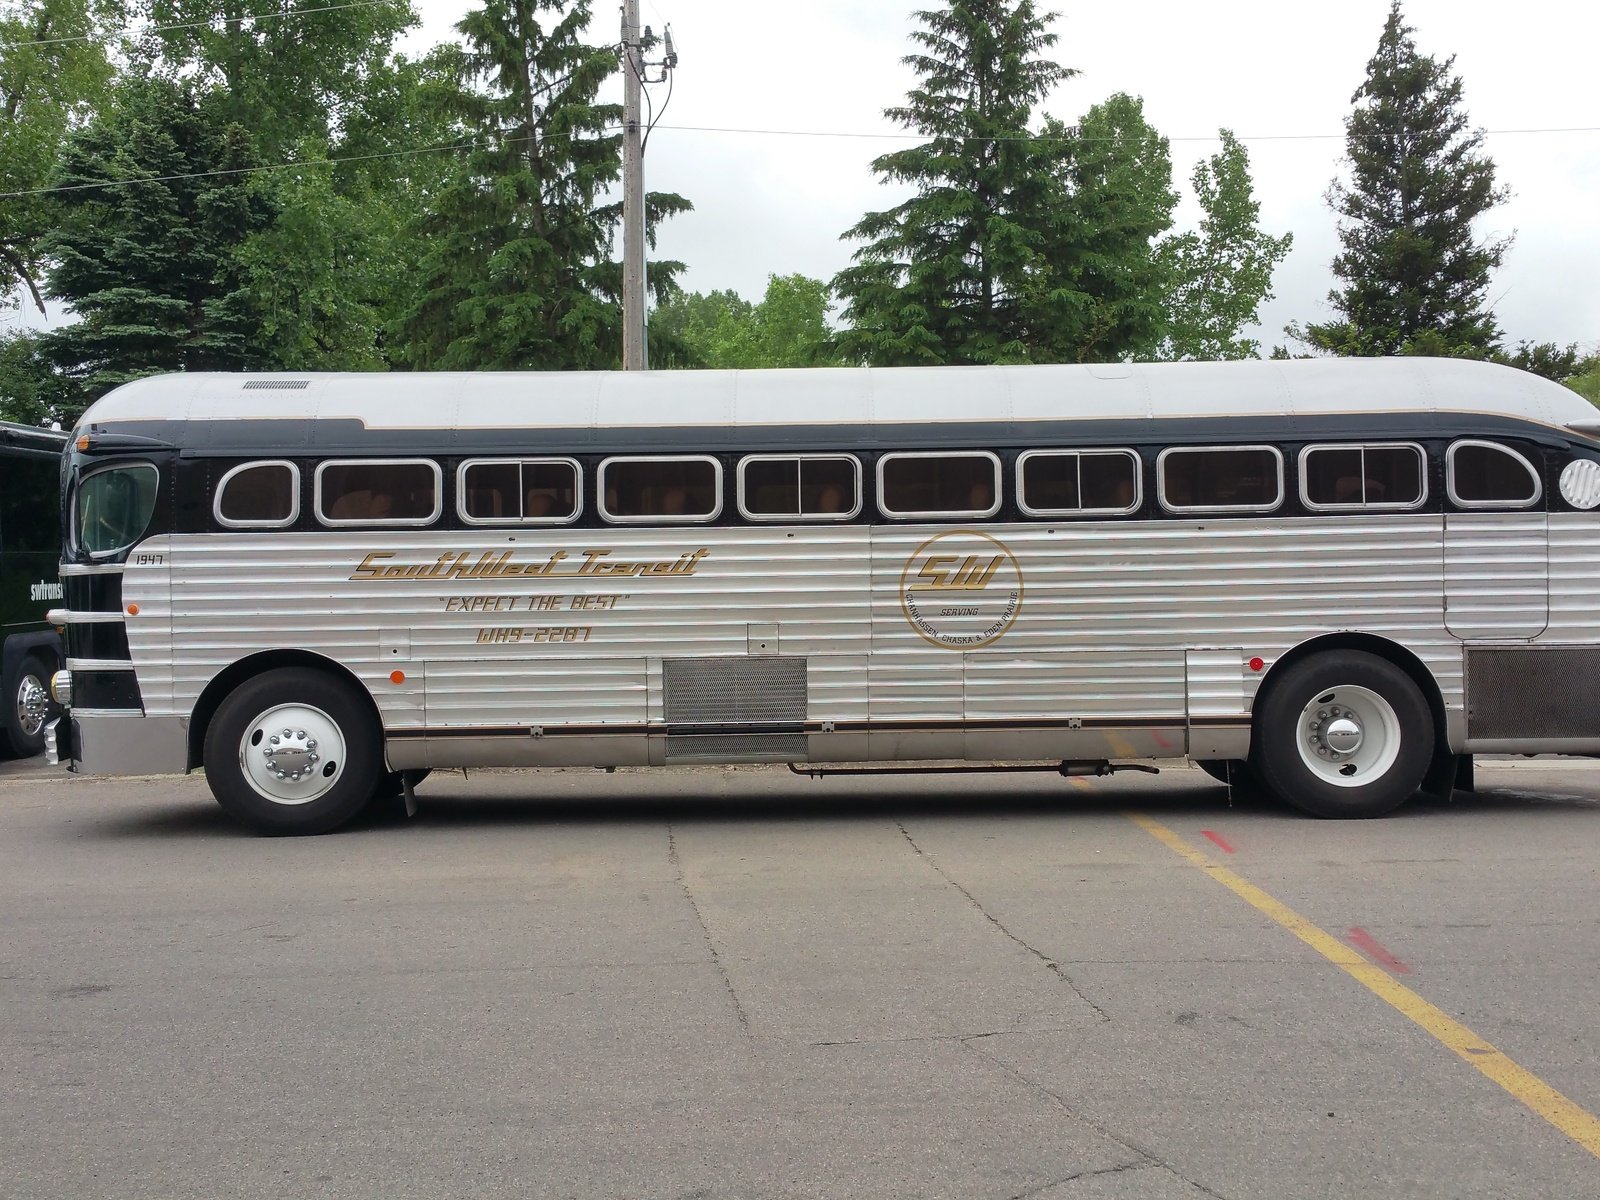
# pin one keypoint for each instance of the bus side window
(1362, 477)
(259, 494)
(818, 487)
(960, 484)
(1065, 482)
(514, 491)
(1488, 475)
(661, 489)
(378, 491)
(1220, 478)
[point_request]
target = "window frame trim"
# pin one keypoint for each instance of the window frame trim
(222, 487)
(1202, 509)
(514, 522)
(77, 494)
(1489, 505)
(1125, 451)
(941, 514)
(1362, 505)
(663, 518)
(376, 522)
(778, 518)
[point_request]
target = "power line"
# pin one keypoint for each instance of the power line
(272, 16)
(1039, 137)
(474, 145)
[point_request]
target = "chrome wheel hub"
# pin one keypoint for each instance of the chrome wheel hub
(1348, 736)
(33, 705)
(292, 753)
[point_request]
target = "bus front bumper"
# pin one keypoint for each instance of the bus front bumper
(118, 744)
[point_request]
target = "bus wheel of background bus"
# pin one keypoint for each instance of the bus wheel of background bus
(1343, 734)
(293, 751)
(29, 709)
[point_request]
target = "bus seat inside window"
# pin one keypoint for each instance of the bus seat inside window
(379, 491)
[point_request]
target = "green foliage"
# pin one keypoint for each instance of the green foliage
(1415, 275)
(151, 268)
(32, 390)
(290, 75)
(952, 274)
(788, 328)
(52, 73)
(516, 269)
(1547, 359)
(1220, 276)
(1101, 293)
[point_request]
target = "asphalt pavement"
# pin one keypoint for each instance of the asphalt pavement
(729, 983)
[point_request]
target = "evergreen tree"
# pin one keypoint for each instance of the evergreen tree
(516, 271)
(953, 275)
(150, 264)
(1415, 273)
(1220, 275)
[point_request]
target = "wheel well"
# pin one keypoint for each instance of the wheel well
(1372, 644)
(232, 676)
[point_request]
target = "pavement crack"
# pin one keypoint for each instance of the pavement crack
(705, 931)
(1139, 1165)
(1146, 1156)
(1050, 964)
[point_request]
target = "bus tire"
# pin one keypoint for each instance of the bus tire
(1343, 734)
(293, 751)
(28, 708)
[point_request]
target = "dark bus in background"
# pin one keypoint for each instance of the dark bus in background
(30, 584)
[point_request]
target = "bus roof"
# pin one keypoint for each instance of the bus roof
(830, 396)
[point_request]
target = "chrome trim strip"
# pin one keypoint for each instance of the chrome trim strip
(65, 616)
(66, 569)
(107, 712)
(99, 664)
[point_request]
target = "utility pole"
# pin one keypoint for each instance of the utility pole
(634, 351)
(635, 43)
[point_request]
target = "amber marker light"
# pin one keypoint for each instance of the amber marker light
(83, 443)
(397, 676)
(133, 610)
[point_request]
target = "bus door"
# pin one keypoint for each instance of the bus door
(1496, 575)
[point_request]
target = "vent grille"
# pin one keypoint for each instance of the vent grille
(759, 690)
(1514, 692)
(276, 385)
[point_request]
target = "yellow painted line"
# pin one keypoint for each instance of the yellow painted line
(1120, 745)
(1080, 783)
(1577, 1123)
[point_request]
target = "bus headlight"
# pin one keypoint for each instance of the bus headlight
(61, 688)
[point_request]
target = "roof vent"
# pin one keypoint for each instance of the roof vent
(276, 385)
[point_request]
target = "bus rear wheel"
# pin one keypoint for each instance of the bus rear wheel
(1343, 734)
(293, 751)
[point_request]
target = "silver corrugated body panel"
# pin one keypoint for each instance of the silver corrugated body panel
(1496, 575)
(1108, 613)
(1574, 577)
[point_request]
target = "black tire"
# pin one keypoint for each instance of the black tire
(337, 790)
(28, 707)
(1385, 758)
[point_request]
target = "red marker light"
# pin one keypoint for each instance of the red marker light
(397, 676)
(1256, 664)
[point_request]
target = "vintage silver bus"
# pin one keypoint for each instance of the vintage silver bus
(1339, 577)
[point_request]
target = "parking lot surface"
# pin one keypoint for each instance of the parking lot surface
(740, 983)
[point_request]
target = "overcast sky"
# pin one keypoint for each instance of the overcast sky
(1279, 74)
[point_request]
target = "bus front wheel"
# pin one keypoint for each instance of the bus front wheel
(30, 707)
(1343, 734)
(293, 751)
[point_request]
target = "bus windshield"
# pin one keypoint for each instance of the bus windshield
(113, 507)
